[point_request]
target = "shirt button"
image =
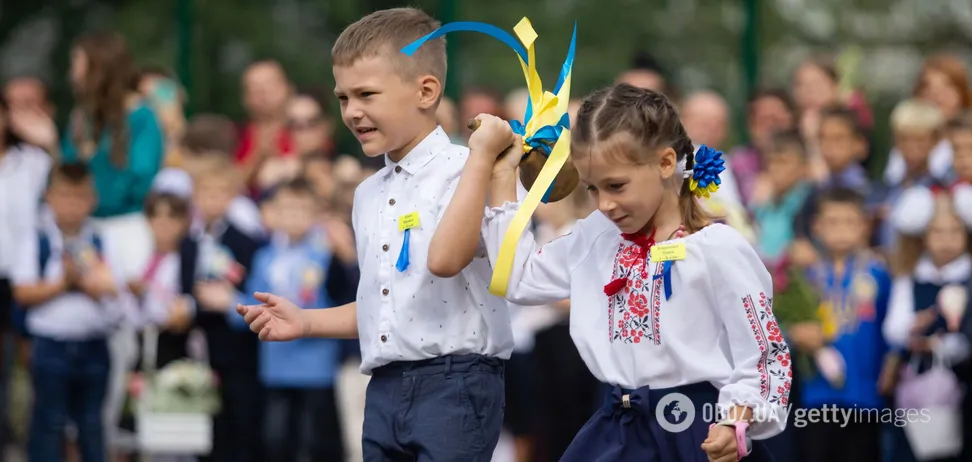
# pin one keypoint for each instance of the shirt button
(384, 338)
(391, 201)
(384, 291)
(398, 170)
(384, 248)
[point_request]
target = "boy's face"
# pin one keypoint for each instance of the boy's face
(915, 146)
(294, 212)
(841, 227)
(384, 110)
(962, 148)
(71, 203)
(212, 194)
(785, 169)
(839, 145)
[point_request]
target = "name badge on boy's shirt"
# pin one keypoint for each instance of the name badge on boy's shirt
(405, 224)
(668, 252)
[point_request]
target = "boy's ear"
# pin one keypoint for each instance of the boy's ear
(430, 89)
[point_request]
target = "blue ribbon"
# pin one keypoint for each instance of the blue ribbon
(402, 263)
(666, 276)
(546, 136)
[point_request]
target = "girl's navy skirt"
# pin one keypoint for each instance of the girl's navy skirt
(626, 428)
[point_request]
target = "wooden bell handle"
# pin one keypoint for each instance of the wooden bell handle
(473, 124)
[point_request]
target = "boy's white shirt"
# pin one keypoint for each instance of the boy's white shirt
(414, 315)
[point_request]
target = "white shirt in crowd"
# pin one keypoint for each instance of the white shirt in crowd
(73, 315)
(413, 315)
(717, 327)
(23, 178)
(242, 212)
(901, 305)
(939, 163)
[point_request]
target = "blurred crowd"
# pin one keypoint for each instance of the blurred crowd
(127, 236)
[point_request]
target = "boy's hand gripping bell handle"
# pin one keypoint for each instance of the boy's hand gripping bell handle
(530, 167)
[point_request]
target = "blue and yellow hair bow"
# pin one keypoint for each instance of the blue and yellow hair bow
(545, 127)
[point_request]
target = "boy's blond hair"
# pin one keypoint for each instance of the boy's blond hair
(917, 115)
(386, 32)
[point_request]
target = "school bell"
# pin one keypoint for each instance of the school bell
(530, 165)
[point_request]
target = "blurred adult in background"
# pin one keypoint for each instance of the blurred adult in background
(647, 73)
(167, 97)
(23, 176)
(767, 112)
(266, 92)
(311, 130)
(475, 101)
(28, 93)
(943, 81)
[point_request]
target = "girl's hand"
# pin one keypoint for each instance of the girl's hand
(720, 446)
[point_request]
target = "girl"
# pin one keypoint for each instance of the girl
(663, 299)
(164, 315)
(932, 269)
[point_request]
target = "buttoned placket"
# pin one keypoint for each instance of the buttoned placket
(388, 227)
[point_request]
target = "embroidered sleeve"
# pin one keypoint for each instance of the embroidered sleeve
(743, 291)
(901, 313)
(540, 274)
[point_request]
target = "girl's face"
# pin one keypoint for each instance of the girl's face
(167, 227)
(938, 89)
(813, 88)
(627, 193)
(947, 238)
(79, 68)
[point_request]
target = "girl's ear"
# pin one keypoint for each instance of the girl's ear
(667, 163)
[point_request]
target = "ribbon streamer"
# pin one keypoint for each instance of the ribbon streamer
(402, 263)
(545, 127)
(666, 276)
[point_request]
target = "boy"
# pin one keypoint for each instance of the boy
(217, 253)
(843, 146)
(432, 338)
(847, 344)
(209, 138)
(786, 173)
(960, 136)
(299, 375)
(67, 278)
(917, 127)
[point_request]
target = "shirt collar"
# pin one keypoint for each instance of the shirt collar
(423, 152)
(956, 271)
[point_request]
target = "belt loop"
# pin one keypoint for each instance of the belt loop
(448, 366)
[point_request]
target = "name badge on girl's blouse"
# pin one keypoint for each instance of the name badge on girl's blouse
(668, 252)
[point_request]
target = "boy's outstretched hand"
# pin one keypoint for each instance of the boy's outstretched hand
(276, 319)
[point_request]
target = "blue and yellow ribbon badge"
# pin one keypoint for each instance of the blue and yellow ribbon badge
(545, 127)
(705, 173)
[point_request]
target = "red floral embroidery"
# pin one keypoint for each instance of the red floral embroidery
(634, 307)
(774, 361)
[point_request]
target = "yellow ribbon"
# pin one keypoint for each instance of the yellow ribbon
(547, 109)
